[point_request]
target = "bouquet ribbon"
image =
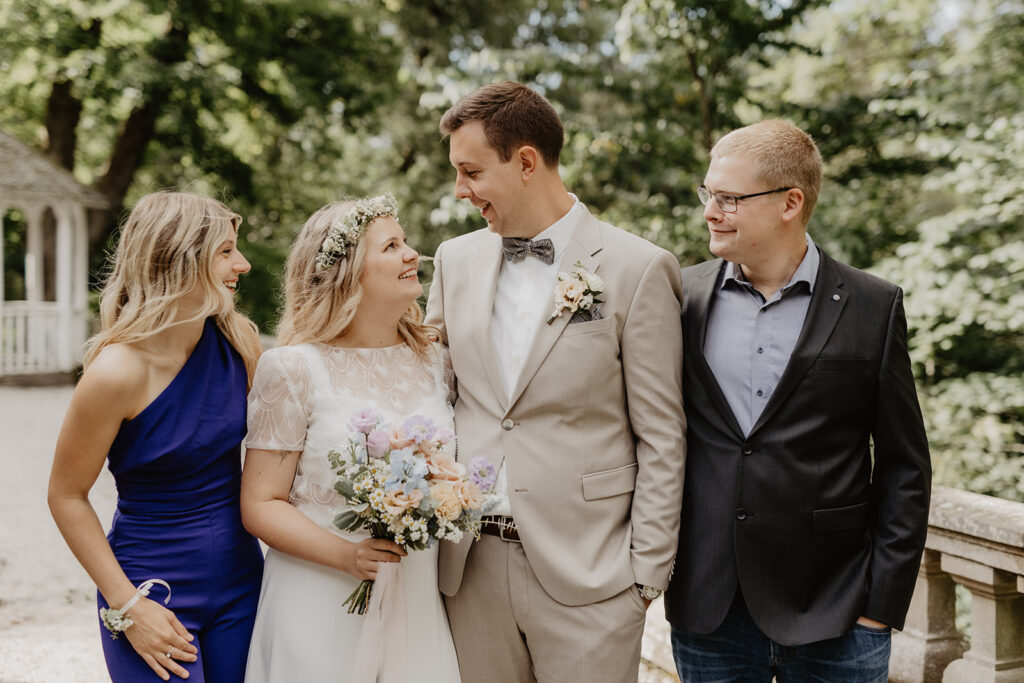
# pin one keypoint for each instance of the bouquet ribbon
(383, 625)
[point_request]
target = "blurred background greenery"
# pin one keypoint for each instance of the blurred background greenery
(278, 107)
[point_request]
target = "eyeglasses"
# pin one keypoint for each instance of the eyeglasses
(729, 202)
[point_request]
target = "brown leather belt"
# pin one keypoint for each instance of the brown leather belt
(502, 526)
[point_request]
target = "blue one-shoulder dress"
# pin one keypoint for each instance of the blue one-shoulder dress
(177, 466)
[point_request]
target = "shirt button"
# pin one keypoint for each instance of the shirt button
(759, 392)
(507, 424)
(741, 514)
(760, 349)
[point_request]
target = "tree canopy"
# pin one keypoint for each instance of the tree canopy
(279, 107)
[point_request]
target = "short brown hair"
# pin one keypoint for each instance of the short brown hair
(784, 156)
(512, 116)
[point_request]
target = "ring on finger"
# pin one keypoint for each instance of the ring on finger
(168, 653)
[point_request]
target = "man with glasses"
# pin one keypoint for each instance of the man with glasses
(805, 506)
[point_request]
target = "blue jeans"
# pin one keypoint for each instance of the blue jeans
(737, 652)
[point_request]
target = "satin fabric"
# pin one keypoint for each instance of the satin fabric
(177, 466)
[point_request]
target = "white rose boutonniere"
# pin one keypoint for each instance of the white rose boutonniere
(577, 290)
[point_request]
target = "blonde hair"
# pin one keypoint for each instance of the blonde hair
(784, 156)
(166, 249)
(320, 306)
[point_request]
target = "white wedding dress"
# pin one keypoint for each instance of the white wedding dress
(302, 399)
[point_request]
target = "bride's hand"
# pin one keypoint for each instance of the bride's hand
(160, 639)
(364, 556)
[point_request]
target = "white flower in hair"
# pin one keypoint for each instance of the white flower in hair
(345, 233)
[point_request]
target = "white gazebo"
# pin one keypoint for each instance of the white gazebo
(43, 335)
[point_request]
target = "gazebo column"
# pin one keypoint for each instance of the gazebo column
(3, 242)
(79, 281)
(65, 274)
(34, 253)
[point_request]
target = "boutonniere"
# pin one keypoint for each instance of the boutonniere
(577, 290)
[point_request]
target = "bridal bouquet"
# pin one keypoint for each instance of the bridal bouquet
(400, 484)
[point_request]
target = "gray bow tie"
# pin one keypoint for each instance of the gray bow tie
(517, 248)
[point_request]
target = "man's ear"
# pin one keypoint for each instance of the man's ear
(529, 161)
(794, 206)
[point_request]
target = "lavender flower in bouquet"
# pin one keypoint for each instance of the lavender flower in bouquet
(401, 484)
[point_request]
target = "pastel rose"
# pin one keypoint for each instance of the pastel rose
(572, 290)
(443, 435)
(377, 443)
(397, 502)
(399, 439)
(449, 502)
(469, 495)
(443, 467)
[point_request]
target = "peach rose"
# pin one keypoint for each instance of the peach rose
(570, 290)
(443, 467)
(396, 502)
(449, 500)
(399, 439)
(469, 495)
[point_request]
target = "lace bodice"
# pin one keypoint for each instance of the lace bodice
(303, 396)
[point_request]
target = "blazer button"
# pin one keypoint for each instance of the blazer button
(741, 514)
(507, 424)
(747, 450)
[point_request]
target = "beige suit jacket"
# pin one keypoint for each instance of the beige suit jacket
(593, 436)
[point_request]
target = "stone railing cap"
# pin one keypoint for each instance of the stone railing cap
(972, 514)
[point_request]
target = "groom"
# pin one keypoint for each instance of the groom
(576, 404)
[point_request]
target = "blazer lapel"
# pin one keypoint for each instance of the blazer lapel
(698, 305)
(489, 257)
(826, 305)
(585, 243)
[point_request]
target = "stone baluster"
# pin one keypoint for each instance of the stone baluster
(929, 641)
(997, 625)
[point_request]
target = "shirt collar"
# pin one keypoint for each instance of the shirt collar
(560, 232)
(807, 271)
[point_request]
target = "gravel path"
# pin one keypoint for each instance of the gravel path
(48, 627)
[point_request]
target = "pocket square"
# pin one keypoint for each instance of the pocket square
(584, 316)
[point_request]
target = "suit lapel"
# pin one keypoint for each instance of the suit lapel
(585, 243)
(488, 256)
(826, 305)
(698, 305)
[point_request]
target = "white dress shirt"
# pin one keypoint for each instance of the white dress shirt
(523, 300)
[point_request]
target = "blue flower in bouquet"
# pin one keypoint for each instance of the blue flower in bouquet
(419, 429)
(482, 473)
(364, 421)
(408, 472)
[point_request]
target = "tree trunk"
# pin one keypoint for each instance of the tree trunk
(130, 147)
(63, 111)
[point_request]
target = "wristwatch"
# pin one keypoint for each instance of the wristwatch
(648, 592)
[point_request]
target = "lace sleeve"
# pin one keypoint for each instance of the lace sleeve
(280, 401)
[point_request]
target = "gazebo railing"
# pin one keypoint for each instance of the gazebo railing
(30, 338)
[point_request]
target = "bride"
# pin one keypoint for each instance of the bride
(351, 339)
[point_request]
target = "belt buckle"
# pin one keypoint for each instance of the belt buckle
(507, 526)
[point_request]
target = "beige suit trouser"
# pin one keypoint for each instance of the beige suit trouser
(508, 629)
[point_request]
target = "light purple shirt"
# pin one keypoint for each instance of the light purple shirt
(749, 340)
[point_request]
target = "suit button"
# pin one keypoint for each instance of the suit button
(741, 514)
(747, 450)
(507, 424)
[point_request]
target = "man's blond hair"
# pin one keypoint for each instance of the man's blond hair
(783, 155)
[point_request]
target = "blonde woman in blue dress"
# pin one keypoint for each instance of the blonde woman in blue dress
(350, 339)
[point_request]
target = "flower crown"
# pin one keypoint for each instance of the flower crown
(345, 233)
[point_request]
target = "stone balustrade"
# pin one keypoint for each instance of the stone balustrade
(977, 542)
(973, 540)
